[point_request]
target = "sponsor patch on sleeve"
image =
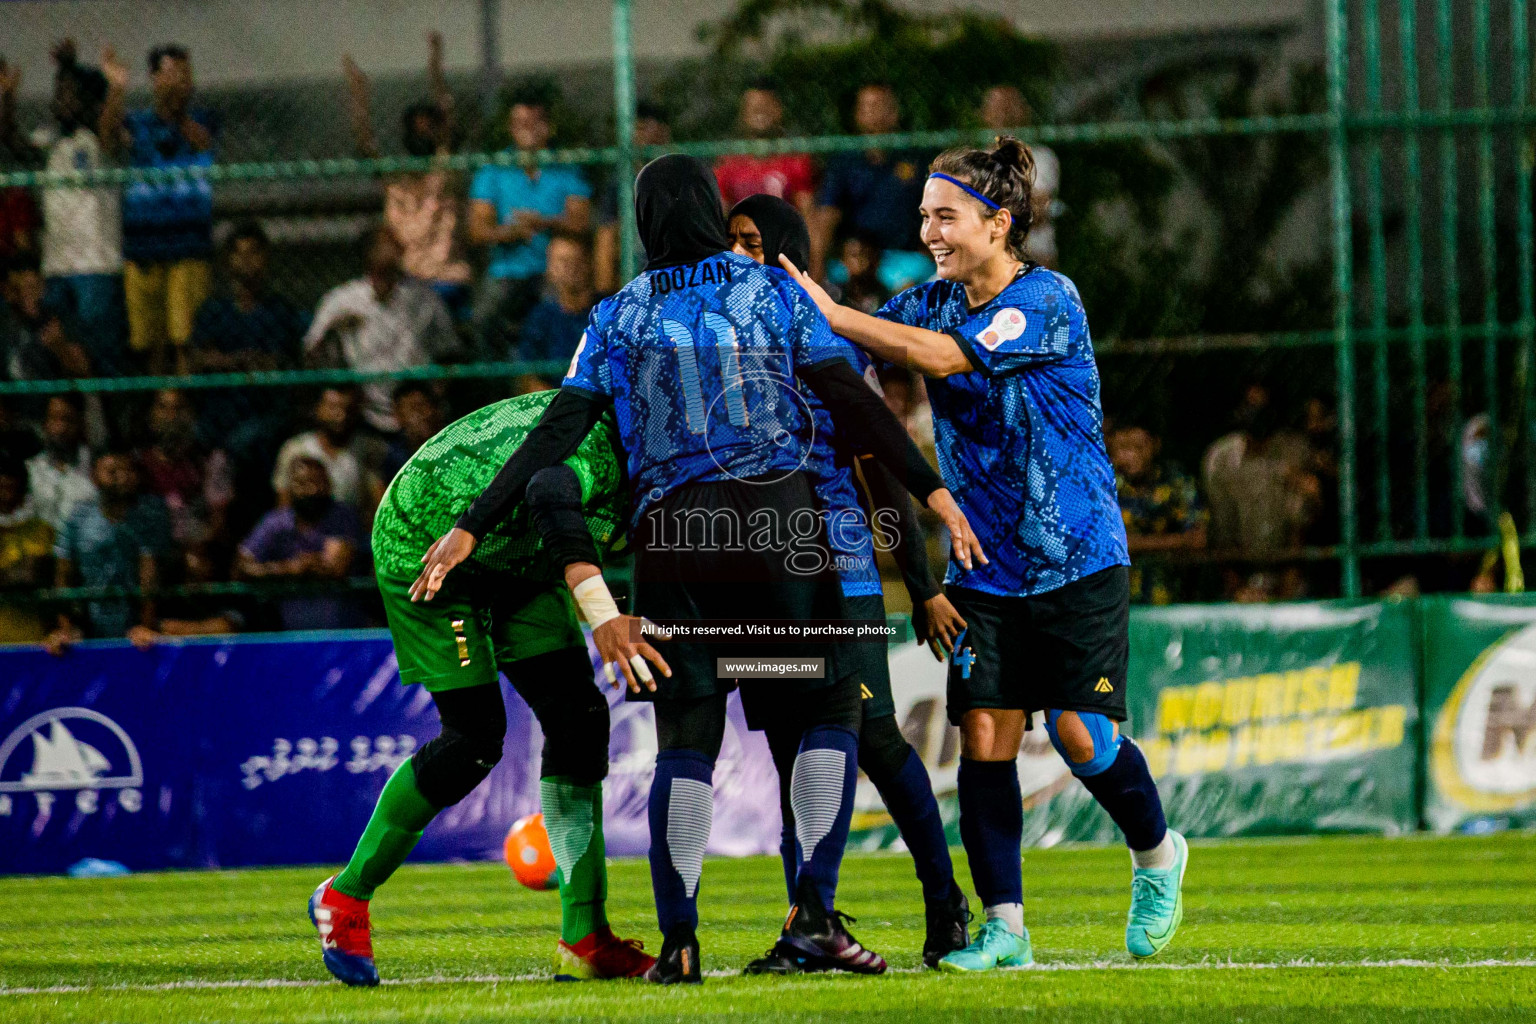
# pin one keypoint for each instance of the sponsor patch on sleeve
(1006, 325)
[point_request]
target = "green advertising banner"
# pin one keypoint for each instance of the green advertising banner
(1480, 712)
(1256, 720)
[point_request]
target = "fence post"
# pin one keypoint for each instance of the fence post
(490, 56)
(624, 126)
(1520, 84)
(1343, 283)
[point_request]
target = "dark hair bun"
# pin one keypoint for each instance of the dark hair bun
(1004, 175)
(1010, 152)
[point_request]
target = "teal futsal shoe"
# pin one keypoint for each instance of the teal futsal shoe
(995, 946)
(1157, 904)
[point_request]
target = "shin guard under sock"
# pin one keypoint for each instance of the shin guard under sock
(1126, 791)
(992, 828)
(682, 804)
(573, 817)
(908, 795)
(392, 832)
(821, 792)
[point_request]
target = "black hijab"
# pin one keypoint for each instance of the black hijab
(782, 228)
(677, 209)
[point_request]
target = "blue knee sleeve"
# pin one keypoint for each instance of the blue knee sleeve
(1106, 743)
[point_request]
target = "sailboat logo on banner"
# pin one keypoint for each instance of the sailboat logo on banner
(67, 749)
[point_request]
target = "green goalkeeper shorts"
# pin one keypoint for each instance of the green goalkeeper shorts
(474, 627)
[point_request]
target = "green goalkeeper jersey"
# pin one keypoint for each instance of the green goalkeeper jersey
(448, 473)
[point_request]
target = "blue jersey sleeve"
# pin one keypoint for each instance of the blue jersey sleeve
(589, 365)
(811, 341)
(1034, 322)
(910, 307)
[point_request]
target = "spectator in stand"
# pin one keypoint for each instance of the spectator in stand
(82, 237)
(334, 443)
(83, 227)
(421, 416)
(863, 289)
(246, 327)
(875, 193)
(15, 440)
(60, 474)
(512, 210)
(1261, 496)
(381, 321)
(789, 176)
(1003, 107)
(554, 327)
(651, 129)
(1161, 509)
(422, 207)
(194, 614)
(32, 337)
(19, 219)
(167, 228)
(314, 537)
(194, 482)
(26, 542)
(116, 539)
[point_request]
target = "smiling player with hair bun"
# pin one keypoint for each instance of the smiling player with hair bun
(1020, 436)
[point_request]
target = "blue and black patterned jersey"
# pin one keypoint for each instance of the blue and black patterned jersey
(1021, 439)
(700, 363)
(849, 535)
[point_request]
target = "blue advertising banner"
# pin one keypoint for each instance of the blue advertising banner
(273, 749)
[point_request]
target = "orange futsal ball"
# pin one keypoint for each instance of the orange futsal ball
(528, 854)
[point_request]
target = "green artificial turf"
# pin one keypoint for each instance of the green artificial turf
(1308, 930)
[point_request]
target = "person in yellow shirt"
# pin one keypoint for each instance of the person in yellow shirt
(26, 542)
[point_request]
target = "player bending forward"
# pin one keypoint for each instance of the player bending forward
(503, 611)
(1015, 392)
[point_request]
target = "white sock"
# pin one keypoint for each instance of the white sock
(1011, 914)
(1160, 856)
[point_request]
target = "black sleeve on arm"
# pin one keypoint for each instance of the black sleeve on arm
(554, 504)
(553, 439)
(864, 416)
(910, 550)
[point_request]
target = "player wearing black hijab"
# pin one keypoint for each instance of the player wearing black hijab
(764, 227)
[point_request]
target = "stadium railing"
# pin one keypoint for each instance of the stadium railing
(1395, 334)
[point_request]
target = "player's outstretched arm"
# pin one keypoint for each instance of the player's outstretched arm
(864, 417)
(931, 353)
(935, 621)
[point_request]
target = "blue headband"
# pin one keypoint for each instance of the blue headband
(989, 204)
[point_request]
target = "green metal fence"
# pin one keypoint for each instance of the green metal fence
(1428, 128)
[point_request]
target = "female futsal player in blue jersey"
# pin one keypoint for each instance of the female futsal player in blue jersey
(1004, 343)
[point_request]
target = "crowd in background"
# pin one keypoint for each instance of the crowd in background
(198, 484)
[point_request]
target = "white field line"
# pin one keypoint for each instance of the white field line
(196, 985)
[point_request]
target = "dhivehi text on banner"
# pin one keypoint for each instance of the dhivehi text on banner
(272, 749)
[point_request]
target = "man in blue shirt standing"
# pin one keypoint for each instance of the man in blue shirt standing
(513, 207)
(167, 228)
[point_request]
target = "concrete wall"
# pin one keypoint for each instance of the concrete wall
(244, 41)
